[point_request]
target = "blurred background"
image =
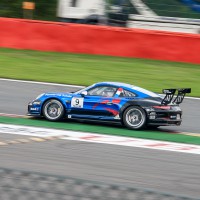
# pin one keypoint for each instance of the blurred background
(172, 15)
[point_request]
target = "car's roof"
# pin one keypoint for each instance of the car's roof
(141, 92)
(118, 84)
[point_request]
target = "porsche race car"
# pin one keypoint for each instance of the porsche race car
(132, 106)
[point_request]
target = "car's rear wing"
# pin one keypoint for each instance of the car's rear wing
(169, 95)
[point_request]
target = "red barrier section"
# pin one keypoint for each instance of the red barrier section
(63, 37)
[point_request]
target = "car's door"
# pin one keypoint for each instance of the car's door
(98, 103)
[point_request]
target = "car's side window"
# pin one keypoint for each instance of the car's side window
(95, 91)
(126, 93)
(105, 91)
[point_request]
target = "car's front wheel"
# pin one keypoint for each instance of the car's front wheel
(134, 117)
(53, 110)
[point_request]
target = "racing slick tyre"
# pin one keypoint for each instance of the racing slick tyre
(53, 110)
(134, 117)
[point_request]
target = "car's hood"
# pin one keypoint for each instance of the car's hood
(58, 94)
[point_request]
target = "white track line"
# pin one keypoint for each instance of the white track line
(195, 98)
(62, 85)
(41, 83)
(97, 138)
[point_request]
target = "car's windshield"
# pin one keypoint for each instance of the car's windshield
(83, 89)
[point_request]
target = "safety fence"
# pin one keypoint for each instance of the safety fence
(19, 185)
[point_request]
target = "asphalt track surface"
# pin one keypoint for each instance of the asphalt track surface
(164, 171)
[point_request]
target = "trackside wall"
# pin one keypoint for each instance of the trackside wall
(77, 38)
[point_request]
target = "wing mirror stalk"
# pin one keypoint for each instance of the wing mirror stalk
(84, 93)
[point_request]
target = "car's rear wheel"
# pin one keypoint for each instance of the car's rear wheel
(53, 110)
(134, 117)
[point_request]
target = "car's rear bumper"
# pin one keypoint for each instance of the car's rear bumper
(165, 118)
(165, 122)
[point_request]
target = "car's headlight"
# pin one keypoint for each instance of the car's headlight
(36, 102)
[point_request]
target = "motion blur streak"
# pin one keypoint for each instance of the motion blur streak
(36, 186)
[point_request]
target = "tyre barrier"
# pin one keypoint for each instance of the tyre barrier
(20, 185)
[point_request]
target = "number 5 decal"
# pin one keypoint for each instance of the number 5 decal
(77, 102)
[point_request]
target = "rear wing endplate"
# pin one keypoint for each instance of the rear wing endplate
(169, 95)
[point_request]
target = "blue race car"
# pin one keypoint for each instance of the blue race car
(130, 105)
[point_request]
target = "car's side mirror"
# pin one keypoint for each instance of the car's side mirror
(84, 93)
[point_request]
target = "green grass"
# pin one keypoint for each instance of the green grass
(103, 129)
(87, 69)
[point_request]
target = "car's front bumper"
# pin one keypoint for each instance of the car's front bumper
(34, 108)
